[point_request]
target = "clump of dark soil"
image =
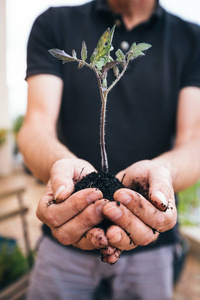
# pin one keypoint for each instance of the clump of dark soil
(107, 183)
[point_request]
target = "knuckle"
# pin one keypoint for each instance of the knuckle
(63, 238)
(88, 222)
(51, 219)
(146, 239)
(159, 222)
(75, 208)
(171, 221)
(128, 225)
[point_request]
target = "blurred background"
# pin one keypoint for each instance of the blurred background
(19, 191)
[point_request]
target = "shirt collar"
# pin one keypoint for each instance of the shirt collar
(102, 6)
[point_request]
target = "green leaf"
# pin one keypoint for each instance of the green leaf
(120, 55)
(74, 54)
(92, 59)
(143, 46)
(103, 48)
(136, 50)
(103, 40)
(103, 52)
(133, 55)
(84, 51)
(116, 71)
(133, 47)
(62, 55)
(110, 37)
(100, 63)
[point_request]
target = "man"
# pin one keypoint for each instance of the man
(153, 136)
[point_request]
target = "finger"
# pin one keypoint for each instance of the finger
(72, 231)
(55, 215)
(64, 174)
(118, 238)
(112, 258)
(139, 233)
(61, 175)
(95, 238)
(160, 187)
(146, 211)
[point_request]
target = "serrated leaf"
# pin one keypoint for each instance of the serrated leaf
(140, 47)
(143, 47)
(110, 37)
(103, 52)
(103, 40)
(133, 55)
(62, 55)
(120, 55)
(84, 51)
(74, 54)
(92, 59)
(103, 46)
(133, 47)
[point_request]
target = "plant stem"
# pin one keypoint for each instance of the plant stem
(104, 159)
(125, 65)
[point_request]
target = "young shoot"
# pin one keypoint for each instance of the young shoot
(101, 62)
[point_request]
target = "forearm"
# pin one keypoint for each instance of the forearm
(40, 150)
(183, 163)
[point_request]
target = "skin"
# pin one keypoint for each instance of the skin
(75, 218)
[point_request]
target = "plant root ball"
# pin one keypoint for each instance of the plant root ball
(107, 183)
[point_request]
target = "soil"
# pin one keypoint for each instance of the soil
(107, 183)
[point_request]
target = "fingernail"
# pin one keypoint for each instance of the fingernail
(59, 190)
(161, 197)
(124, 198)
(95, 195)
(113, 212)
(116, 239)
(99, 209)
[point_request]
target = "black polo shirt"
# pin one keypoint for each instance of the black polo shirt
(142, 107)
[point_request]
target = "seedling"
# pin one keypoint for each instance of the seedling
(101, 62)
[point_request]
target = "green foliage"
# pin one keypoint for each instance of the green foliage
(17, 124)
(101, 62)
(3, 136)
(189, 206)
(13, 263)
(84, 51)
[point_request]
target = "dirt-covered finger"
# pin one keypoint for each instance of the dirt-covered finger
(54, 215)
(120, 239)
(138, 231)
(112, 258)
(95, 238)
(73, 230)
(160, 187)
(146, 211)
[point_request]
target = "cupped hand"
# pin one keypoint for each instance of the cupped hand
(138, 220)
(73, 217)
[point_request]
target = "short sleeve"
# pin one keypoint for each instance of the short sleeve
(191, 72)
(44, 35)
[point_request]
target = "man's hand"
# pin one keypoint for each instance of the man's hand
(72, 217)
(139, 221)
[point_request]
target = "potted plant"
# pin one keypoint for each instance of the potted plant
(100, 63)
